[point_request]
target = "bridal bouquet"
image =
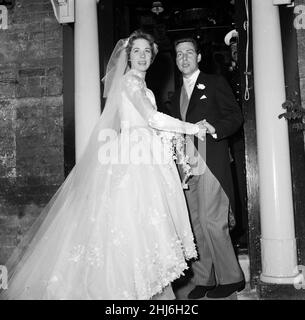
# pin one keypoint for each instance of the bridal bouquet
(176, 143)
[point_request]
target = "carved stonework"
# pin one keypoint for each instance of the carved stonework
(63, 10)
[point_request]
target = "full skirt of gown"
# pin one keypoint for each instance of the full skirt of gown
(112, 231)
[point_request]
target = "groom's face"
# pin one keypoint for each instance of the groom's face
(187, 58)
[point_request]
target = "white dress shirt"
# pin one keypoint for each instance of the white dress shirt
(189, 83)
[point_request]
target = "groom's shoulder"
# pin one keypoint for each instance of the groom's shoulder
(213, 80)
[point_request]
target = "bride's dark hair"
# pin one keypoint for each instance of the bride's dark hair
(140, 34)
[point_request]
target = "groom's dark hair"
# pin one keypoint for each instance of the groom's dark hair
(192, 40)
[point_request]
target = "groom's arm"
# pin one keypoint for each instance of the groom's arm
(230, 118)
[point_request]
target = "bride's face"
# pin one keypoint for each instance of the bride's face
(140, 55)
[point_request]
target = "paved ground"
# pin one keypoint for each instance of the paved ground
(183, 288)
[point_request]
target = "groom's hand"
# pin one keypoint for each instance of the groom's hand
(210, 129)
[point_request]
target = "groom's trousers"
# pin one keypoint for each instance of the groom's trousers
(208, 207)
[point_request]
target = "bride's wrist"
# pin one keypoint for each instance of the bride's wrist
(192, 129)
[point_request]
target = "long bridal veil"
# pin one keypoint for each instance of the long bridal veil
(80, 179)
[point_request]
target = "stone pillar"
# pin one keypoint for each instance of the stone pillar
(87, 72)
(278, 244)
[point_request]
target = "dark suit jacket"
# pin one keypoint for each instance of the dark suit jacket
(221, 110)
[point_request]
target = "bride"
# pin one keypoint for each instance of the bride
(118, 227)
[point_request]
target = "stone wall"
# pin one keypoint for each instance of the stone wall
(31, 117)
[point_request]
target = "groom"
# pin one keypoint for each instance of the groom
(216, 273)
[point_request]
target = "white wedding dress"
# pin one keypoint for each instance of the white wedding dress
(116, 230)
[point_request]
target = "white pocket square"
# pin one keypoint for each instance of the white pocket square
(203, 97)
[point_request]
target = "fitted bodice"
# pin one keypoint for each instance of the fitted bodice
(129, 113)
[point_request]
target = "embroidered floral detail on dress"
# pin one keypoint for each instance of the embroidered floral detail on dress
(134, 82)
(154, 270)
(77, 253)
(146, 288)
(90, 254)
(117, 237)
(156, 217)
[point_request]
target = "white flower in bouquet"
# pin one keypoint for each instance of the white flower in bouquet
(176, 143)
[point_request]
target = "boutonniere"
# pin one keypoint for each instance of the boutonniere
(200, 86)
